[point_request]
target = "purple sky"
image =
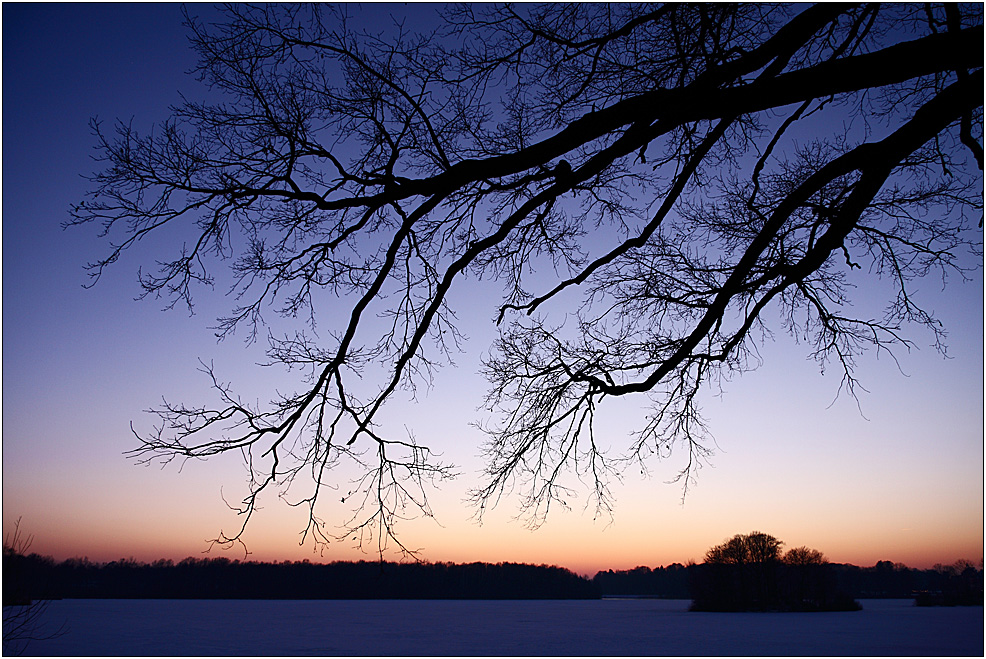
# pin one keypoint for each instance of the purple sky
(903, 483)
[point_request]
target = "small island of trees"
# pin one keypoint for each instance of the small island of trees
(750, 573)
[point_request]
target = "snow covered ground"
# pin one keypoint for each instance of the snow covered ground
(538, 628)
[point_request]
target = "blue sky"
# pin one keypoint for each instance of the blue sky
(902, 479)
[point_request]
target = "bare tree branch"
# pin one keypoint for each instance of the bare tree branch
(654, 158)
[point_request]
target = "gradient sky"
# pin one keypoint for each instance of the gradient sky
(900, 480)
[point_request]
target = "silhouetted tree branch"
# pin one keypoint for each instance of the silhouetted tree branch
(648, 155)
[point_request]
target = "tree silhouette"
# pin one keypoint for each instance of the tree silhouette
(746, 568)
(804, 556)
(25, 612)
(650, 155)
(748, 572)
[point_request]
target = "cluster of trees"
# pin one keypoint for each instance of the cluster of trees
(943, 585)
(668, 582)
(657, 188)
(221, 578)
(749, 572)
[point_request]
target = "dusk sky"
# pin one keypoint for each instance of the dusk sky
(897, 477)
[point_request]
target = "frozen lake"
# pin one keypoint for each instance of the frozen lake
(472, 627)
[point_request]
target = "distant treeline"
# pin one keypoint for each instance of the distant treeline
(961, 583)
(35, 577)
